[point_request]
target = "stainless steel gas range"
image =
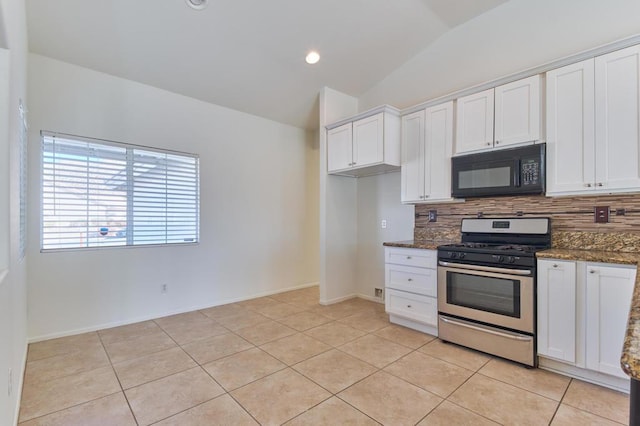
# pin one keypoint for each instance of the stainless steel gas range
(487, 286)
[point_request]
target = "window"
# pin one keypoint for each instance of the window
(97, 193)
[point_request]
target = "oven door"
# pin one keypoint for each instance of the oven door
(496, 296)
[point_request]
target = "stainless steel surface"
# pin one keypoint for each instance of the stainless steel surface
(516, 226)
(485, 268)
(513, 346)
(524, 323)
(485, 329)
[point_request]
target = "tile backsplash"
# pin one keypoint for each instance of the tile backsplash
(572, 219)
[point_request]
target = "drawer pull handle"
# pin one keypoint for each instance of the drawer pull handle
(592, 271)
(408, 306)
(555, 265)
(408, 257)
(409, 279)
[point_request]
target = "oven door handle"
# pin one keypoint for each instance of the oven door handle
(485, 268)
(505, 334)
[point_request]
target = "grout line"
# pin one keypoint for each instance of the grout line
(104, 348)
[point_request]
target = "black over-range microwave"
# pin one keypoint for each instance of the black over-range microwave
(512, 171)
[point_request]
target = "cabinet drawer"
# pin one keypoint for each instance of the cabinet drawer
(410, 278)
(411, 257)
(417, 307)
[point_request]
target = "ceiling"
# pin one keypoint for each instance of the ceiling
(246, 54)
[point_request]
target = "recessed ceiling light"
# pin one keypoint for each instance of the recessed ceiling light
(312, 57)
(197, 4)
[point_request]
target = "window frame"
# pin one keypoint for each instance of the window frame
(130, 149)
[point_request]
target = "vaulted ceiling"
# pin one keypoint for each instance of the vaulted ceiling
(246, 54)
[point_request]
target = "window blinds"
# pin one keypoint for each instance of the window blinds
(97, 193)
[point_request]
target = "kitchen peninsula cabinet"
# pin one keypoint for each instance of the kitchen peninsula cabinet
(593, 117)
(427, 139)
(583, 309)
(366, 145)
(411, 288)
(506, 115)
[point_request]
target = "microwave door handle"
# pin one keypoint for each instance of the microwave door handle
(517, 170)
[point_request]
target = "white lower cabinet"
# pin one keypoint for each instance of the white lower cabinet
(410, 287)
(557, 309)
(608, 298)
(583, 309)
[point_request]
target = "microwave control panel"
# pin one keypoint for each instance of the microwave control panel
(530, 172)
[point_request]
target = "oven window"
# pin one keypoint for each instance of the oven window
(497, 295)
(494, 177)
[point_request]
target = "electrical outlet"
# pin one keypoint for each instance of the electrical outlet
(378, 292)
(163, 289)
(383, 224)
(601, 214)
(433, 215)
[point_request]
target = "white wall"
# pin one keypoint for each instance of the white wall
(378, 199)
(13, 312)
(338, 209)
(259, 230)
(515, 36)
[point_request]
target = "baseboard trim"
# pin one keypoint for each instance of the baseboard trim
(163, 314)
(371, 298)
(338, 299)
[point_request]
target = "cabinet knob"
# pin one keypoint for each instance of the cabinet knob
(409, 279)
(592, 271)
(588, 185)
(409, 306)
(599, 183)
(488, 143)
(555, 265)
(354, 163)
(497, 142)
(408, 257)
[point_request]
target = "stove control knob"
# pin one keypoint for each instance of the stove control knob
(511, 259)
(500, 259)
(462, 255)
(453, 255)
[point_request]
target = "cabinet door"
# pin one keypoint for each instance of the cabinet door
(438, 147)
(608, 299)
(368, 140)
(517, 113)
(339, 148)
(570, 128)
(617, 119)
(557, 309)
(474, 122)
(413, 157)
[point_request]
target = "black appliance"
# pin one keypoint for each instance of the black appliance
(512, 171)
(487, 286)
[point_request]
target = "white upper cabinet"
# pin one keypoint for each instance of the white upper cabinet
(368, 137)
(570, 128)
(340, 152)
(474, 122)
(617, 119)
(412, 171)
(365, 146)
(427, 139)
(592, 125)
(506, 115)
(517, 112)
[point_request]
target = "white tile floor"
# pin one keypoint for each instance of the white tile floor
(286, 359)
